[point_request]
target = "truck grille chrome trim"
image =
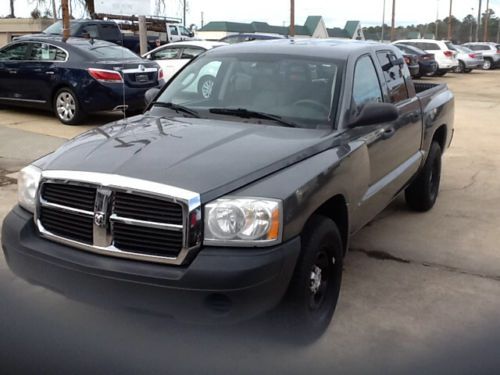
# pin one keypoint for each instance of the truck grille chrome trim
(161, 238)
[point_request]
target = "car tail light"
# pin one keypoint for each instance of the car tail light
(407, 60)
(160, 74)
(448, 53)
(472, 55)
(103, 75)
(498, 50)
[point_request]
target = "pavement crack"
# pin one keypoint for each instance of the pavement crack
(472, 181)
(384, 255)
(4, 180)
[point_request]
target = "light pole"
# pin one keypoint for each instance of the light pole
(449, 21)
(292, 18)
(486, 21)
(393, 22)
(478, 21)
(471, 25)
(437, 21)
(383, 22)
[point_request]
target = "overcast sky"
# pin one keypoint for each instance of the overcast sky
(276, 12)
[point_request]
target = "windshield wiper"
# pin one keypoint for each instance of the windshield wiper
(245, 113)
(177, 108)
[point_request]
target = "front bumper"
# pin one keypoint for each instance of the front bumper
(220, 284)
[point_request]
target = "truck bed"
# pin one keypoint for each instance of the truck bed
(429, 91)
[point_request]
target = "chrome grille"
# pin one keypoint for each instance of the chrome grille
(135, 219)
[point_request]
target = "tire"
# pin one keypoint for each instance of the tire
(488, 64)
(67, 108)
(423, 191)
(467, 70)
(440, 73)
(313, 292)
(205, 86)
(460, 68)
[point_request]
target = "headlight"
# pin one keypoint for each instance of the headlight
(243, 222)
(27, 186)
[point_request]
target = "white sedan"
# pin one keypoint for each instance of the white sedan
(172, 57)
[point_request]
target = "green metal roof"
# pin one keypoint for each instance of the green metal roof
(311, 24)
(350, 27)
(337, 32)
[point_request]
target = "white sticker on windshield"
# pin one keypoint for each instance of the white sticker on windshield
(45, 52)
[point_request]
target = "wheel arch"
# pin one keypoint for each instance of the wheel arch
(440, 136)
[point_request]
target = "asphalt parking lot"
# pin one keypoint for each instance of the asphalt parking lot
(419, 291)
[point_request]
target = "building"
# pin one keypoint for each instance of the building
(314, 27)
(12, 27)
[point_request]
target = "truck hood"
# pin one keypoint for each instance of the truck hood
(210, 157)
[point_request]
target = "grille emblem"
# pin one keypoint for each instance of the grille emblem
(100, 219)
(142, 68)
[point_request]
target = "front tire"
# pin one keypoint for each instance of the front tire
(314, 290)
(460, 68)
(67, 107)
(440, 73)
(423, 191)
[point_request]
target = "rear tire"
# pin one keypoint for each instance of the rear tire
(423, 191)
(467, 70)
(488, 63)
(440, 73)
(460, 68)
(67, 108)
(314, 290)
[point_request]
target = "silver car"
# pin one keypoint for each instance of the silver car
(468, 59)
(490, 51)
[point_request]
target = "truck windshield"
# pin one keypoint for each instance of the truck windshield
(302, 91)
(57, 28)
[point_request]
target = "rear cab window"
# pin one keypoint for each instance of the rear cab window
(109, 31)
(394, 76)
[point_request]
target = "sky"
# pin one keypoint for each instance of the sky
(276, 12)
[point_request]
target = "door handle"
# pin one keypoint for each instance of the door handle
(12, 71)
(388, 133)
(49, 72)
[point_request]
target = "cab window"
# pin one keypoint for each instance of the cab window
(394, 76)
(366, 86)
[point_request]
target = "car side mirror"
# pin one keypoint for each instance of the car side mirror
(150, 95)
(375, 113)
(191, 34)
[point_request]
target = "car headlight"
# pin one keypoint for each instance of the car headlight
(237, 221)
(27, 186)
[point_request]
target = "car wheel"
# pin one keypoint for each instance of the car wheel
(67, 108)
(205, 86)
(487, 64)
(423, 191)
(467, 70)
(460, 68)
(440, 73)
(313, 292)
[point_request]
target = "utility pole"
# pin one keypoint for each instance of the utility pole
(449, 21)
(143, 35)
(486, 21)
(478, 21)
(184, 13)
(54, 10)
(436, 33)
(383, 22)
(393, 22)
(498, 31)
(65, 17)
(202, 20)
(471, 24)
(292, 18)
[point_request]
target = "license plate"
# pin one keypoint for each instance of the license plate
(141, 77)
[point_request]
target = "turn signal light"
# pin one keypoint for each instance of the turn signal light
(108, 76)
(160, 74)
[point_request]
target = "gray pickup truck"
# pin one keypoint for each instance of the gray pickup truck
(226, 204)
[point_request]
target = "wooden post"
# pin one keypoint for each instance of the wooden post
(383, 23)
(449, 21)
(486, 21)
(478, 21)
(393, 22)
(143, 35)
(65, 17)
(292, 18)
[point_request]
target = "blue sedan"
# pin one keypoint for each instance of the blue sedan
(74, 77)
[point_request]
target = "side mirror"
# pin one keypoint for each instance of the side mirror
(191, 34)
(375, 113)
(150, 95)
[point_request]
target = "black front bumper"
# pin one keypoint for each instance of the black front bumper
(220, 284)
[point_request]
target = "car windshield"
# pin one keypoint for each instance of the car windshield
(295, 89)
(57, 28)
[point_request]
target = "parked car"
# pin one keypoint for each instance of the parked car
(74, 77)
(426, 61)
(444, 52)
(249, 37)
(468, 60)
(412, 62)
(172, 57)
(490, 51)
(225, 207)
